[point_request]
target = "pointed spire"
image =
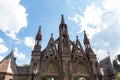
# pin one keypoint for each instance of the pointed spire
(77, 40)
(51, 43)
(51, 39)
(78, 43)
(39, 31)
(62, 19)
(12, 52)
(51, 34)
(76, 37)
(39, 36)
(63, 27)
(108, 53)
(85, 36)
(86, 40)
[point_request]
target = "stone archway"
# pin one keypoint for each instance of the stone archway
(49, 78)
(51, 71)
(81, 71)
(80, 78)
(50, 68)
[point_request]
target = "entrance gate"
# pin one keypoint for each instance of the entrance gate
(80, 78)
(49, 78)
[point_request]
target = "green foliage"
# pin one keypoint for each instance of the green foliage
(80, 78)
(49, 78)
(26, 65)
(118, 57)
(118, 76)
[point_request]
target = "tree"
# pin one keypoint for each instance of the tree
(80, 78)
(26, 65)
(118, 57)
(117, 76)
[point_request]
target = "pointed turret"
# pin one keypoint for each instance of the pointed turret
(36, 55)
(62, 19)
(38, 40)
(90, 55)
(79, 47)
(86, 41)
(63, 40)
(38, 36)
(51, 47)
(78, 42)
(51, 41)
(63, 32)
(64, 37)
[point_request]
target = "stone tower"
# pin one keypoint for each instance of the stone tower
(36, 55)
(96, 73)
(63, 59)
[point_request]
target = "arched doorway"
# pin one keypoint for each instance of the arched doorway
(49, 78)
(81, 71)
(81, 78)
(51, 71)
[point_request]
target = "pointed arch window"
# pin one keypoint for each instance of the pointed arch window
(49, 78)
(80, 78)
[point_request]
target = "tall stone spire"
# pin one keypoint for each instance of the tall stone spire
(36, 55)
(39, 36)
(62, 19)
(38, 40)
(63, 28)
(86, 41)
(64, 40)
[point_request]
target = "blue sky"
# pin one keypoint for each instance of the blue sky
(20, 20)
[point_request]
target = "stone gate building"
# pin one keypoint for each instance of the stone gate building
(62, 59)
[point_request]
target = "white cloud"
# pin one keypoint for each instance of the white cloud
(68, 0)
(18, 54)
(97, 18)
(93, 15)
(101, 23)
(101, 53)
(76, 18)
(91, 21)
(3, 48)
(13, 17)
(29, 41)
(110, 5)
(1, 58)
(118, 52)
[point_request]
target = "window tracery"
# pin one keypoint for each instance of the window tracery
(51, 68)
(80, 68)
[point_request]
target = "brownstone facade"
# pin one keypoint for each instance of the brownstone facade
(10, 71)
(62, 59)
